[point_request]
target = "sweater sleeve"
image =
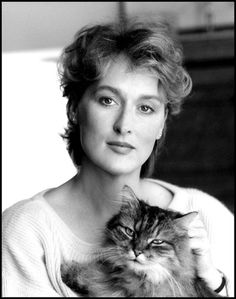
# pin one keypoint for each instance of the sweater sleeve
(24, 272)
(219, 223)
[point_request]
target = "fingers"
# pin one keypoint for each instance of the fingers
(199, 246)
(197, 232)
(196, 229)
(198, 238)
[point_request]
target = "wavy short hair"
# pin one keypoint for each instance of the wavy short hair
(149, 45)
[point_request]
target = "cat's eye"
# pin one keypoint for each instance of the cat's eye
(129, 231)
(157, 242)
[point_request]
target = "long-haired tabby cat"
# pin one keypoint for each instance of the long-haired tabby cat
(144, 253)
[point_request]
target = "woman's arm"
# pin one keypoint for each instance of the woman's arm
(212, 240)
(25, 271)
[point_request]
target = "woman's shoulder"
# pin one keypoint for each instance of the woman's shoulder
(156, 193)
(188, 198)
(25, 213)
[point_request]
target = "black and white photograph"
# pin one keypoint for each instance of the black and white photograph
(118, 149)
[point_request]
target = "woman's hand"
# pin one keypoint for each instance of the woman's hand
(200, 245)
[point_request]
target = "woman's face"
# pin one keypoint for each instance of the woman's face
(120, 118)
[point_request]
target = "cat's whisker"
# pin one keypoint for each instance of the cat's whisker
(109, 254)
(172, 282)
(158, 274)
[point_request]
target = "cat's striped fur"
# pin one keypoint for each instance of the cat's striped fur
(144, 253)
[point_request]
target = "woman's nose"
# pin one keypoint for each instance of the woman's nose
(123, 123)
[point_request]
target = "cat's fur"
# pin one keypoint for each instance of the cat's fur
(159, 270)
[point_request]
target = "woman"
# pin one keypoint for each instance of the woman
(122, 83)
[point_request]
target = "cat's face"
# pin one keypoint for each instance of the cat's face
(147, 239)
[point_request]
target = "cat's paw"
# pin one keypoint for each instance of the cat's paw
(71, 276)
(65, 272)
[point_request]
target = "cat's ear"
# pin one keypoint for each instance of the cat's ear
(186, 219)
(128, 193)
(128, 196)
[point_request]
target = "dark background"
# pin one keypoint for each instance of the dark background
(199, 145)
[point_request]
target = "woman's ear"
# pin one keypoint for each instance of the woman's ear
(163, 126)
(74, 117)
(159, 134)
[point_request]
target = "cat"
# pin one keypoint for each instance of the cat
(144, 253)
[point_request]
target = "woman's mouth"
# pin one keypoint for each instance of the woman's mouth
(121, 147)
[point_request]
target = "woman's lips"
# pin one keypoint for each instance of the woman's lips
(121, 147)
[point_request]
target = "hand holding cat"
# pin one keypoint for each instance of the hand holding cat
(200, 246)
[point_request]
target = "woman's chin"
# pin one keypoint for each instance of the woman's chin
(118, 167)
(119, 170)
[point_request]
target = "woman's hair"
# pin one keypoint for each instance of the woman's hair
(149, 45)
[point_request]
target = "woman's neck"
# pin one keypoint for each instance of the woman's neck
(101, 190)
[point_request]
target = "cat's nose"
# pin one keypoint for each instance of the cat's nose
(137, 252)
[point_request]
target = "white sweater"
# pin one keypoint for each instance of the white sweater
(36, 241)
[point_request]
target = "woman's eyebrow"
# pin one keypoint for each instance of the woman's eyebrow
(116, 91)
(119, 93)
(151, 97)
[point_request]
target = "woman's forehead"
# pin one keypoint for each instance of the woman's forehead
(122, 63)
(118, 75)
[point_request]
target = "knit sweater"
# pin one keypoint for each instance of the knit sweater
(36, 241)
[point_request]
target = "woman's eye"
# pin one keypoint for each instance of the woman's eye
(129, 232)
(157, 242)
(106, 101)
(146, 109)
